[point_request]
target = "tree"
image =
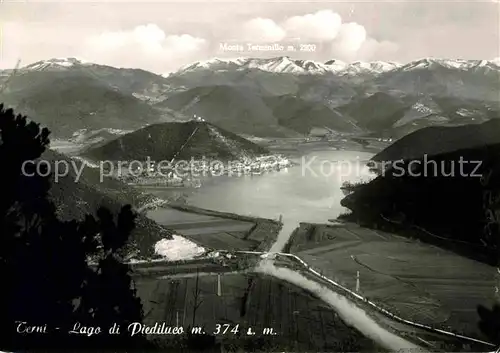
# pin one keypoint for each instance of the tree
(48, 281)
(196, 296)
(489, 320)
(110, 298)
(26, 220)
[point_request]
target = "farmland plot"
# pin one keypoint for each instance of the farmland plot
(417, 281)
(299, 320)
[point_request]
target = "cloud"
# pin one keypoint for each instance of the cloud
(322, 25)
(163, 49)
(261, 30)
(353, 43)
(351, 37)
(378, 50)
(345, 41)
(34, 31)
(145, 46)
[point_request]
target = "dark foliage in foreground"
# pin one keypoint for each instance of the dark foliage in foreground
(44, 262)
(490, 322)
(76, 195)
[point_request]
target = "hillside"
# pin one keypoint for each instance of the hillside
(387, 98)
(468, 110)
(192, 139)
(86, 139)
(128, 81)
(376, 112)
(261, 82)
(237, 109)
(245, 95)
(440, 139)
(244, 111)
(330, 89)
(441, 203)
(465, 79)
(70, 101)
(302, 116)
(75, 198)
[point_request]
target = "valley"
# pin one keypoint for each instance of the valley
(233, 227)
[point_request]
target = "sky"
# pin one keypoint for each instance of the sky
(162, 36)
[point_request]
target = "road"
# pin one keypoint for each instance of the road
(428, 337)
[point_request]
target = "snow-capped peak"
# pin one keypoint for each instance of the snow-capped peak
(456, 64)
(207, 64)
(55, 63)
(281, 64)
(285, 64)
(374, 67)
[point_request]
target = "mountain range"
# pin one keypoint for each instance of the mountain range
(285, 64)
(275, 97)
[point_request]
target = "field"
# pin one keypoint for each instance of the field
(218, 231)
(299, 320)
(299, 147)
(417, 281)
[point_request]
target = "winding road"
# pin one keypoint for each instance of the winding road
(368, 317)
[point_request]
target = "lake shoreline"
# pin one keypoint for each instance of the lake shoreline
(215, 230)
(268, 201)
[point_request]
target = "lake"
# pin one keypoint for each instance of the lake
(308, 192)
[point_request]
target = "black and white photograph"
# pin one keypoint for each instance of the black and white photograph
(250, 176)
